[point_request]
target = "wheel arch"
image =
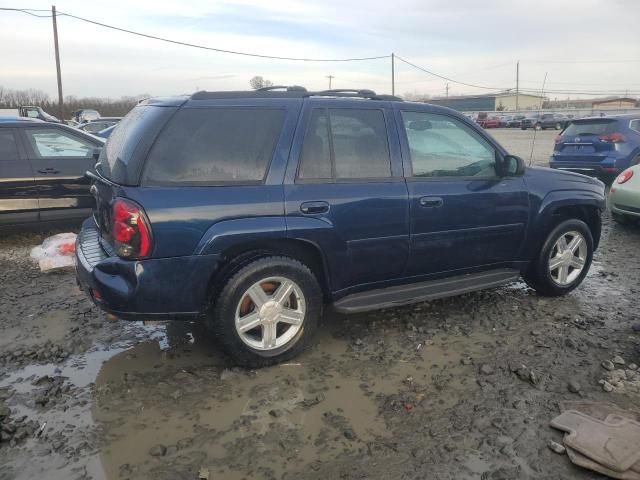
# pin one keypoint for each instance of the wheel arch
(239, 255)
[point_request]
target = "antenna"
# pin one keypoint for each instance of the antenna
(533, 142)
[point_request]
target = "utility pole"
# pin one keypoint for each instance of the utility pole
(517, 84)
(57, 50)
(330, 77)
(393, 73)
(447, 89)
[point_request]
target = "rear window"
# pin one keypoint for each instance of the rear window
(212, 146)
(590, 127)
(122, 157)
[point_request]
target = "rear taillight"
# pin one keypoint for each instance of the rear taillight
(613, 138)
(624, 176)
(130, 229)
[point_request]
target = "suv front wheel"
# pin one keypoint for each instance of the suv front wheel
(563, 261)
(267, 312)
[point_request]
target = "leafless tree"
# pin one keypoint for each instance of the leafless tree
(259, 82)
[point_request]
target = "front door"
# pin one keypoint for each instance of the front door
(345, 192)
(18, 192)
(60, 159)
(464, 213)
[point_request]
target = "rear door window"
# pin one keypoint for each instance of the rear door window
(53, 143)
(211, 146)
(8, 146)
(343, 144)
(635, 125)
(590, 127)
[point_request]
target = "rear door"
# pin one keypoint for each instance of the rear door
(344, 191)
(60, 158)
(18, 192)
(463, 214)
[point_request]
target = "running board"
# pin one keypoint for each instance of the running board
(423, 291)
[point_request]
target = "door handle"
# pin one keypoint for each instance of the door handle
(48, 170)
(431, 202)
(311, 208)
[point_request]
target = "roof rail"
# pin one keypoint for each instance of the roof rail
(293, 91)
(286, 88)
(349, 92)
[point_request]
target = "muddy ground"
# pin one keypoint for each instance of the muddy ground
(462, 388)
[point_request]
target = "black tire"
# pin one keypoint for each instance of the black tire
(539, 277)
(221, 321)
(523, 128)
(558, 126)
(537, 126)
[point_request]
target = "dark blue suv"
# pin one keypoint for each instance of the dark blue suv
(252, 210)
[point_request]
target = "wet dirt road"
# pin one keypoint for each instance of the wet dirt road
(461, 388)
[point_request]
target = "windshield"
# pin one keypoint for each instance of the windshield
(121, 159)
(590, 127)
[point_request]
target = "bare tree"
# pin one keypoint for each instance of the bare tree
(259, 82)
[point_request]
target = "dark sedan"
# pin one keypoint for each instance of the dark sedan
(42, 178)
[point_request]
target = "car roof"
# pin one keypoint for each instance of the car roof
(15, 121)
(624, 116)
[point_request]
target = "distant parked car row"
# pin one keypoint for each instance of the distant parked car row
(536, 121)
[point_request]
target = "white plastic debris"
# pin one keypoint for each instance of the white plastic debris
(56, 252)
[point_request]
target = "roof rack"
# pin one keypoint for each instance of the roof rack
(294, 91)
(286, 88)
(354, 93)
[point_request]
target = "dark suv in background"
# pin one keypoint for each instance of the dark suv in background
(544, 121)
(251, 210)
(42, 172)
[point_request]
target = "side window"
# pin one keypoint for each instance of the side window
(209, 146)
(53, 142)
(315, 161)
(442, 146)
(635, 125)
(360, 145)
(345, 144)
(8, 147)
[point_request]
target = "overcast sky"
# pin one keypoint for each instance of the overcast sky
(472, 41)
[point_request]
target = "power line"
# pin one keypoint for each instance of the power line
(28, 11)
(203, 47)
(447, 78)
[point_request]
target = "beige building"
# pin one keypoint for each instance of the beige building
(490, 102)
(622, 102)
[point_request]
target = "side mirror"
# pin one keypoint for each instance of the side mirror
(96, 153)
(512, 166)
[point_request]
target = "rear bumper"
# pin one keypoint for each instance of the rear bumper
(153, 289)
(624, 200)
(598, 164)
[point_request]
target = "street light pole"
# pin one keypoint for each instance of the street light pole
(393, 74)
(57, 51)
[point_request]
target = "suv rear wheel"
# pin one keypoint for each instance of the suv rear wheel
(538, 126)
(558, 126)
(563, 261)
(267, 312)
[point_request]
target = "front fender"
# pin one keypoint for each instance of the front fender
(544, 216)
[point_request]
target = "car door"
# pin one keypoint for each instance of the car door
(18, 192)
(60, 158)
(463, 213)
(344, 191)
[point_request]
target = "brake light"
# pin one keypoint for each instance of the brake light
(130, 229)
(613, 138)
(624, 176)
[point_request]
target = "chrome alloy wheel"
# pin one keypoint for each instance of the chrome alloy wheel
(567, 258)
(270, 313)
